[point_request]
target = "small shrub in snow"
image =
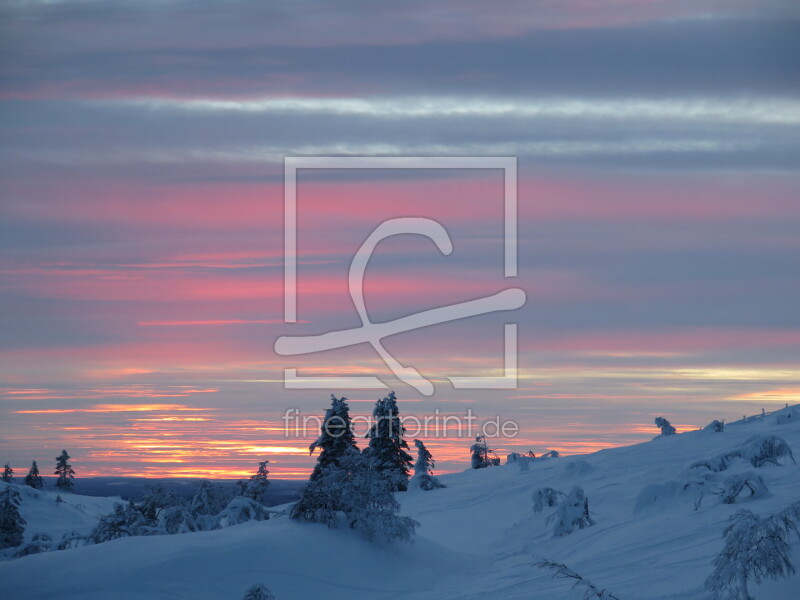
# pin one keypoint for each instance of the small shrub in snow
(755, 549)
(715, 426)
(546, 497)
(666, 427)
(12, 525)
(739, 487)
(572, 513)
(760, 451)
(716, 464)
(71, 539)
(590, 590)
(126, 520)
(41, 542)
(241, 510)
(258, 592)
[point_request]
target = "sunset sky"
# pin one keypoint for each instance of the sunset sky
(141, 224)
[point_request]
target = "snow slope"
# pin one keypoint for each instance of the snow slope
(44, 515)
(478, 538)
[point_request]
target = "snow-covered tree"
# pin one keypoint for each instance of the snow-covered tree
(423, 469)
(126, 520)
(208, 501)
(572, 513)
(258, 592)
(666, 427)
(755, 549)
(336, 435)
(65, 472)
(482, 455)
(387, 450)
(742, 486)
(317, 503)
(353, 491)
(765, 450)
(176, 519)
(546, 496)
(715, 426)
(8, 473)
(155, 499)
(33, 478)
(241, 510)
(256, 486)
(590, 590)
(12, 525)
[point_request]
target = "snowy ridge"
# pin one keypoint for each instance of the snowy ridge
(479, 537)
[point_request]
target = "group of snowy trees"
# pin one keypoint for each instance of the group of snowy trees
(65, 472)
(356, 488)
(160, 512)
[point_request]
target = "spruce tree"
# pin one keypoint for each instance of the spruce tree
(336, 435)
(256, 487)
(387, 448)
(65, 472)
(8, 473)
(336, 440)
(12, 525)
(33, 478)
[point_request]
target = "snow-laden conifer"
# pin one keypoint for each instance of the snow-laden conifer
(387, 450)
(336, 435)
(33, 479)
(65, 472)
(423, 469)
(12, 525)
(256, 486)
(317, 502)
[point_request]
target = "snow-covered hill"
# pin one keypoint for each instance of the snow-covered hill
(479, 537)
